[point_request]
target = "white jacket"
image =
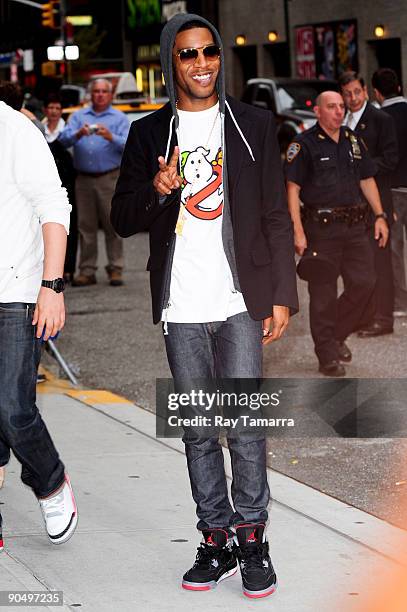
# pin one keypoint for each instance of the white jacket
(30, 195)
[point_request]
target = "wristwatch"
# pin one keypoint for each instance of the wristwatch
(381, 216)
(58, 284)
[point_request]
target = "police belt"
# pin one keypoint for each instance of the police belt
(341, 214)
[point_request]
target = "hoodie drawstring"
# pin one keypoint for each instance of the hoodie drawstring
(169, 140)
(240, 131)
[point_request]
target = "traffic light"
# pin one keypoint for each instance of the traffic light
(51, 17)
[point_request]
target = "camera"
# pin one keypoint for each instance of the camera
(93, 128)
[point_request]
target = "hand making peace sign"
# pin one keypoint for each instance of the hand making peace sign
(167, 178)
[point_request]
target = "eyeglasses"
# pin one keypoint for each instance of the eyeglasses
(355, 92)
(189, 56)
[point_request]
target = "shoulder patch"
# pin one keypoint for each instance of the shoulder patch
(293, 151)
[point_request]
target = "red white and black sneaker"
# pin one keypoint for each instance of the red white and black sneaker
(60, 513)
(214, 562)
(258, 576)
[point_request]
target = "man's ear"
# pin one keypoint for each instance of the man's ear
(378, 95)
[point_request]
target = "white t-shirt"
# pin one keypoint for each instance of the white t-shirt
(30, 196)
(201, 287)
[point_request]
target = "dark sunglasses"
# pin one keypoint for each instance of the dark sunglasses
(190, 55)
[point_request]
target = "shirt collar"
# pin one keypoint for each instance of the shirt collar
(91, 111)
(356, 116)
(395, 100)
(53, 135)
(322, 135)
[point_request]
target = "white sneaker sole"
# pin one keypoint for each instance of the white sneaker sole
(68, 533)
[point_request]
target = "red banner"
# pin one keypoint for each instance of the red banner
(305, 52)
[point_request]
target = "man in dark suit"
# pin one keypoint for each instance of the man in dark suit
(377, 130)
(386, 87)
(203, 176)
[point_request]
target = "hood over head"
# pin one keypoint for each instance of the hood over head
(167, 41)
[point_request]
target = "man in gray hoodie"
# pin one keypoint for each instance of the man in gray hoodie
(203, 176)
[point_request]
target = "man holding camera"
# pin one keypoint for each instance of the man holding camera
(98, 134)
(327, 169)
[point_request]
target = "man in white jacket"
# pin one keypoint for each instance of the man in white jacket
(34, 222)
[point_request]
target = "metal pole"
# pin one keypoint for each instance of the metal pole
(62, 10)
(62, 362)
(287, 31)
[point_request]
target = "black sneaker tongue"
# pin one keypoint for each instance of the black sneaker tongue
(215, 537)
(250, 535)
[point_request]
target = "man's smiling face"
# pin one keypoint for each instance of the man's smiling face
(196, 79)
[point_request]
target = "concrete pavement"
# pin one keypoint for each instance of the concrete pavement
(136, 533)
(110, 338)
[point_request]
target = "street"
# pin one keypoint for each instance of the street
(110, 338)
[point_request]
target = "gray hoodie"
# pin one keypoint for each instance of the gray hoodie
(166, 48)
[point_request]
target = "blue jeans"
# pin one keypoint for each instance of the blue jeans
(22, 429)
(223, 349)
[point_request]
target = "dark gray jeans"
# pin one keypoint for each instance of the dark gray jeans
(21, 427)
(223, 349)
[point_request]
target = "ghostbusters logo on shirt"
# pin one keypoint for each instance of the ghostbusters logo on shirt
(202, 191)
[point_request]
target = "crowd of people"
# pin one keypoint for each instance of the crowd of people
(87, 151)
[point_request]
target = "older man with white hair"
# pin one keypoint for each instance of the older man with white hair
(98, 134)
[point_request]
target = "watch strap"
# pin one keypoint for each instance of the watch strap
(57, 284)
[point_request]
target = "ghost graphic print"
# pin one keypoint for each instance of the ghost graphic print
(202, 193)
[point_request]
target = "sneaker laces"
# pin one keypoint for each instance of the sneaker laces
(205, 556)
(252, 558)
(54, 506)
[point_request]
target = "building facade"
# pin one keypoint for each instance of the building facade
(324, 38)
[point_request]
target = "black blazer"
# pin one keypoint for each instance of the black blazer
(398, 112)
(262, 228)
(378, 131)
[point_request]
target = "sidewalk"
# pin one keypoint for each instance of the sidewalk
(136, 533)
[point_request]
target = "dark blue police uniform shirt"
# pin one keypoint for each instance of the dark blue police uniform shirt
(328, 172)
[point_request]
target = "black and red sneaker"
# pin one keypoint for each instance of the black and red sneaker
(258, 576)
(214, 562)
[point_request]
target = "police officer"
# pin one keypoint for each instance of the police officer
(328, 168)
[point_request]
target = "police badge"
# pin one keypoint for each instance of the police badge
(355, 146)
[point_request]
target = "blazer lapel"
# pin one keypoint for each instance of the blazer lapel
(364, 119)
